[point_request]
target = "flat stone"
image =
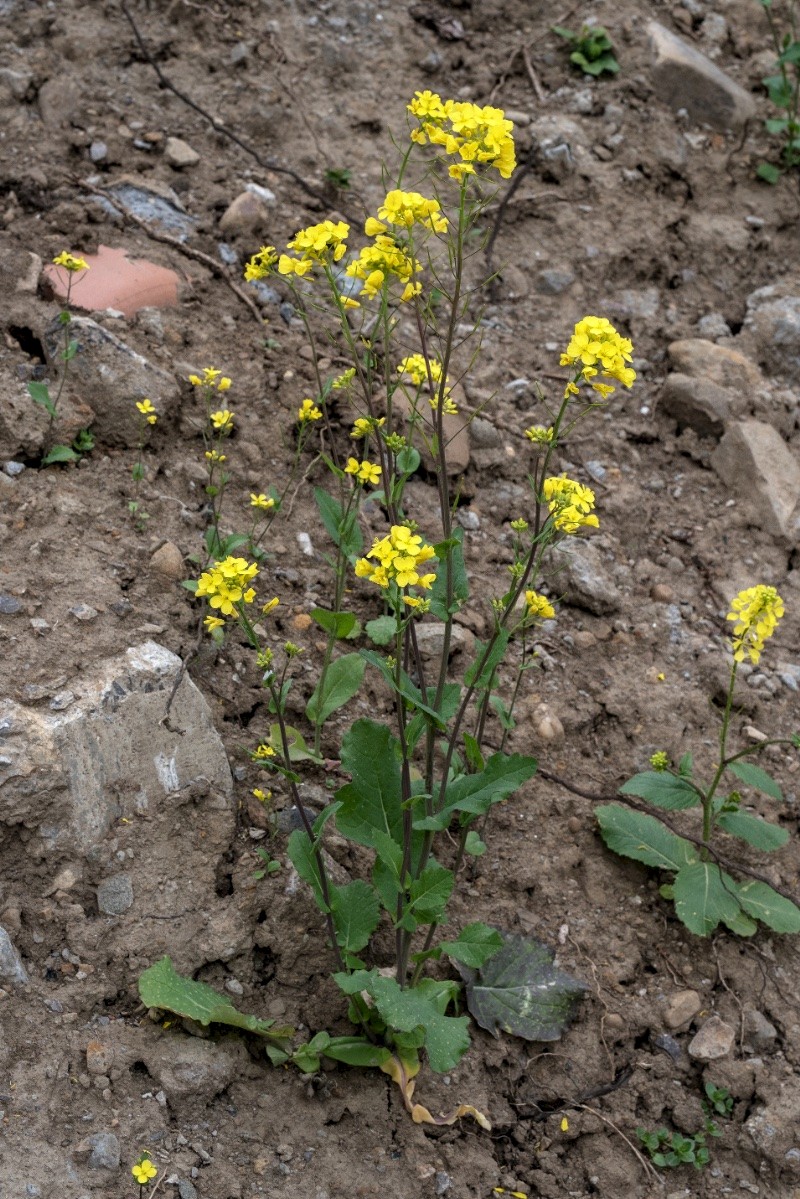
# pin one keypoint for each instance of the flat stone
(576, 569)
(714, 1039)
(112, 377)
(102, 1149)
(681, 1008)
(763, 474)
(59, 99)
(11, 967)
(115, 281)
(702, 359)
(155, 203)
(9, 606)
(68, 776)
(430, 639)
(247, 214)
(191, 1066)
(759, 1035)
(168, 561)
(553, 281)
(699, 404)
(179, 154)
(684, 78)
(115, 895)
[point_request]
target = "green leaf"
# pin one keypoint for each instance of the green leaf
(60, 453)
(519, 991)
(40, 394)
(474, 944)
(757, 778)
(343, 531)
(704, 895)
(473, 752)
(356, 1051)
(776, 125)
(769, 172)
(503, 775)
(686, 766)
(507, 721)
(428, 896)
(438, 592)
(407, 461)
(756, 832)
(338, 624)
(162, 987)
(762, 903)
(423, 1006)
(355, 981)
(356, 913)
(473, 845)
(405, 687)
(382, 631)
(372, 801)
(663, 789)
(643, 838)
(741, 924)
(298, 749)
(341, 682)
(492, 662)
(303, 858)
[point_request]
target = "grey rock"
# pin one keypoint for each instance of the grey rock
(104, 1151)
(59, 99)
(553, 281)
(83, 612)
(468, 520)
(577, 571)
(8, 605)
(430, 639)
(17, 83)
(774, 320)
(245, 215)
(111, 377)
(669, 1045)
(13, 469)
(483, 434)
(265, 194)
(682, 1008)
(634, 303)
(161, 208)
(62, 700)
(98, 151)
(179, 154)
(714, 1039)
(684, 78)
(698, 404)
(761, 471)
(759, 1035)
(65, 773)
(192, 1066)
(713, 325)
(186, 1190)
(721, 364)
(115, 895)
(11, 967)
(289, 819)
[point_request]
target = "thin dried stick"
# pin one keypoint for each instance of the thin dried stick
(536, 83)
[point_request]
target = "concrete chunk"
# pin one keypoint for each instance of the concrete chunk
(684, 78)
(759, 468)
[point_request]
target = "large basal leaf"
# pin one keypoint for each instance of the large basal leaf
(755, 777)
(372, 800)
(474, 944)
(704, 895)
(756, 832)
(423, 1006)
(356, 912)
(662, 789)
(520, 991)
(762, 903)
(162, 987)
(341, 682)
(643, 838)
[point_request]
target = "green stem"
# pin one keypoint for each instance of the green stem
(708, 800)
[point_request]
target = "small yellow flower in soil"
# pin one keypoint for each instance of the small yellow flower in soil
(343, 380)
(308, 411)
(261, 264)
(270, 606)
(71, 262)
(143, 1171)
(261, 501)
(756, 612)
(262, 796)
(540, 435)
(564, 1124)
(213, 622)
(262, 752)
(148, 411)
(226, 584)
(570, 504)
(209, 379)
(214, 456)
(222, 420)
(538, 607)
(599, 348)
(659, 761)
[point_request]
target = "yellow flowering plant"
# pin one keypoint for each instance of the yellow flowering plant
(705, 888)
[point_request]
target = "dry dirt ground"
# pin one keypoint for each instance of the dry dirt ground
(649, 219)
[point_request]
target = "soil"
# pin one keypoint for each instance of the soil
(657, 224)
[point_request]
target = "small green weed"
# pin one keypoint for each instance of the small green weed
(670, 1149)
(783, 87)
(593, 49)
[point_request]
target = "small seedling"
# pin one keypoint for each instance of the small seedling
(783, 87)
(339, 177)
(718, 1100)
(670, 1149)
(593, 49)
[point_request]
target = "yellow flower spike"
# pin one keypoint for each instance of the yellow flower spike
(308, 411)
(659, 761)
(540, 435)
(597, 346)
(70, 262)
(225, 585)
(344, 380)
(214, 456)
(416, 368)
(473, 133)
(755, 612)
(261, 264)
(570, 504)
(538, 607)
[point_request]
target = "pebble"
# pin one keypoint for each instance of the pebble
(168, 561)
(662, 593)
(669, 1045)
(301, 622)
(468, 520)
(234, 986)
(759, 1035)
(304, 541)
(99, 1058)
(681, 1008)
(179, 154)
(713, 1040)
(186, 1190)
(62, 700)
(547, 727)
(246, 214)
(83, 612)
(115, 895)
(103, 1149)
(98, 151)
(8, 605)
(11, 968)
(14, 468)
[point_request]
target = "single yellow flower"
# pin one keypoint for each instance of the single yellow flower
(262, 752)
(213, 622)
(70, 262)
(143, 1171)
(270, 606)
(261, 501)
(148, 411)
(262, 796)
(538, 607)
(222, 420)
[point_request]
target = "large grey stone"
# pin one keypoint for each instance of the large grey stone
(698, 404)
(184, 1065)
(69, 775)
(684, 78)
(701, 359)
(774, 321)
(111, 377)
(576, 571)
(11, 967)
(761, 471)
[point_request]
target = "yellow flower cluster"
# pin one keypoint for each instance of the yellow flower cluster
(364, 425)
(756, 612)
(343, 381)
(209, 379)
(70, 262)
(308, 411)
(365, 472)
(600, 349)
(148, 411)
(406, 208)
(478, 135)
(222, 421)
(226, 585)
(318, 244)
(382, 260)
(570, 504)
(659, 761)
(539, 435)
(398, 558)
(537, 607)
(261, 264)
(416, 368)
